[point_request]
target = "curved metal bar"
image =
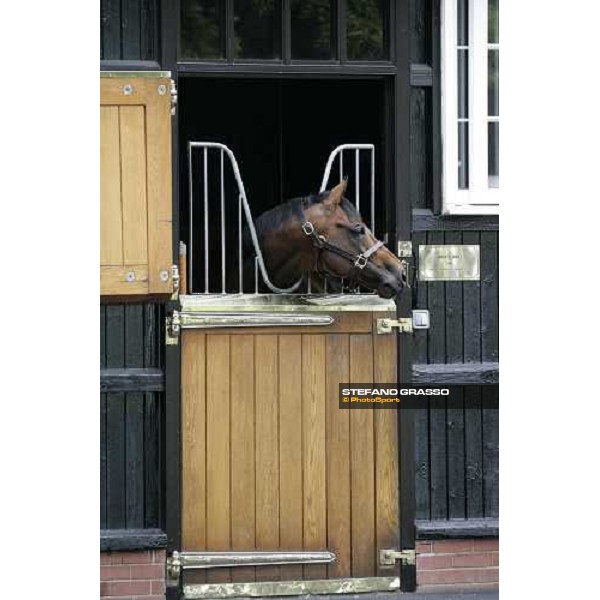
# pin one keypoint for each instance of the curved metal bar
(333, 156)
(247, 214)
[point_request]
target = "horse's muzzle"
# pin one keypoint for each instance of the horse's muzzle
(390, 288)
(394, 281)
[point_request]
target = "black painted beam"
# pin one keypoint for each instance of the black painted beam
(132, 380)
(457, 528)
(421, 75)
(131, 539)
(425, 220)
(456, 374)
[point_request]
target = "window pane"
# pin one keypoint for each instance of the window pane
(463, 156)
(493, 155)
(257, 29)
(493, 22)
(312, 27)
(462, 22)
(493, 99)
(202, 29)
(367, 23)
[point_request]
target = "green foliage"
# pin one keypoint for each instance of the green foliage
(365, 29)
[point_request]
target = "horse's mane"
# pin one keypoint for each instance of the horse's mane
(278, 216)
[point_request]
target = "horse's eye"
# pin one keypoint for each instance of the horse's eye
(358, 229)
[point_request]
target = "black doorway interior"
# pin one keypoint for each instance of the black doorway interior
(282, 132)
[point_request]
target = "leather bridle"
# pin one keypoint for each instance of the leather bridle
(320, 244)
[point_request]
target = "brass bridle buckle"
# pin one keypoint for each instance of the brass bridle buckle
(361, 261)
(308, 228)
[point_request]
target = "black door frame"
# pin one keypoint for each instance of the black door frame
(396, 74)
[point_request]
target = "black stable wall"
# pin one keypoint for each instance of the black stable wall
(131, 422)
(456, 448)
(129, 30)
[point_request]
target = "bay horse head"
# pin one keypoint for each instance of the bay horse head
(324, 234)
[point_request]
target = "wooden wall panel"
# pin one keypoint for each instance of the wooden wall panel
(281, 466)
(456, 456)
(464, 315)
(131, 422)
(128, 30)
(453, 479)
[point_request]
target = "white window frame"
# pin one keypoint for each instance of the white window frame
(478, 199)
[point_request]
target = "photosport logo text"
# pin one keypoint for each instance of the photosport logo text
(377, 395)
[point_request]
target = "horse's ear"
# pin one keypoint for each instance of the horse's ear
(336, 195)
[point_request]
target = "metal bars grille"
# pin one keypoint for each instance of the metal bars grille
(213, 214)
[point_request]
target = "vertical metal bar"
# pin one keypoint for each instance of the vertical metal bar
(357, 176)
(256, 274)
(308, 284)
(341, 166)
(240, 262)
(191, 240)
(206, 220)
(223, 256)
(373, 191)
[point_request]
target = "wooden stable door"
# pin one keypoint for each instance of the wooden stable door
(270, 462)
(135, 185)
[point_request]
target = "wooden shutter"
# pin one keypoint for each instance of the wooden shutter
(135, 185)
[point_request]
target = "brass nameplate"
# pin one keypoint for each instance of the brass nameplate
(449, 263)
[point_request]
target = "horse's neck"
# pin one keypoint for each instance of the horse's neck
(284, 258)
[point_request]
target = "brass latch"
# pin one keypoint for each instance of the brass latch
(172, 329)
(405, 249)
(404, 325)
(173, 569)
(388, 558)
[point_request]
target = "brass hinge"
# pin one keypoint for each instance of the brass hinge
(173, 98)
(175, 276)
(173, 569)
(390, 557)
(405, 249)
(404, 325)
(172, 329)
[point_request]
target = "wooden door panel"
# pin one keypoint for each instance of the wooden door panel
(290, 448)
(362, 467)
(243, 449)
(135, 186)
(314, 448)
(111, 241)
(279, 466)
(266, 404)
(338, 456)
